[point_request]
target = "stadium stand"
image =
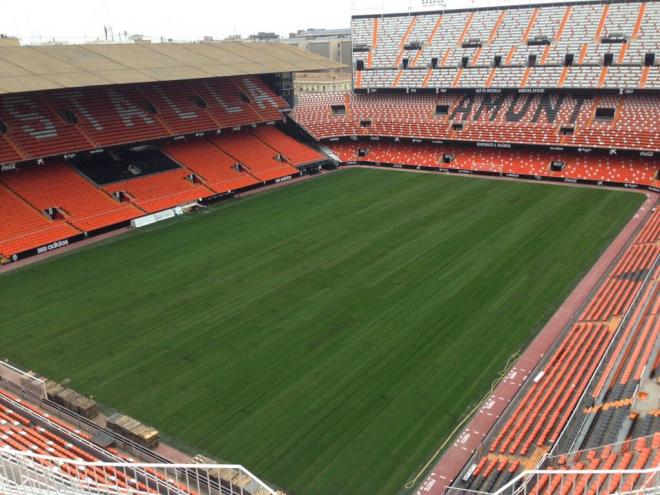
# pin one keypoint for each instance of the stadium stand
(42, 453)
(565, 120)
(36, 130)
(60, 199)
(294, 152)
(544, 410)
(638, 453)
(216, 169)
(57, 186)
(509, 47)
(537, 162)
(259, 159)
(160, 191)
(23, 227)
(40, 125)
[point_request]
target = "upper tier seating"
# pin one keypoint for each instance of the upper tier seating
(216, 169)
(35, 130)
(426, 50)
(596, 167)
(564, 120)
(8, 153)
(57, 185)
(293, 151)
(260, 159)
(22, 227)
(38, 125)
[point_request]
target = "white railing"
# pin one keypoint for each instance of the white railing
(647, 483)
(26, 473)
(23, 379)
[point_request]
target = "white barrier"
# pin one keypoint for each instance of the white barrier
(26, 473)
(138, 223)
(647, 482)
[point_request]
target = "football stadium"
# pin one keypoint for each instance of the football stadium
(443, 281)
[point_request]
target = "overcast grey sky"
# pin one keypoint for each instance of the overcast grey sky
(83, 20)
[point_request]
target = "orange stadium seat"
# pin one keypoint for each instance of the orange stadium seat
(259, 158)
(160, 191)
(293, 151)
(510, 118)
(216, 168)
(59, 440)
(22, 227)
(36, 130)
(57, 185)
(36, 125)
(596, 167)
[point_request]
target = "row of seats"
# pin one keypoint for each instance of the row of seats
(156, 192)
(23, 227)
(414, 50)
(26, 428)
(550, 119)
(219, 171)
(640, 453)
(77, 200)
(633, 351)
(234, 161)
(42, 204)
(293, 151)
(38, 125)
(550, 400)
(261, 160)
(537, 162)
(492, 471)
(618, 291)
(574, 77)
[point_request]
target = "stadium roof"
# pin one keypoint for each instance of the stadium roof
(38, 68)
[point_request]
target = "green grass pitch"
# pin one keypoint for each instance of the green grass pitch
(327, 335)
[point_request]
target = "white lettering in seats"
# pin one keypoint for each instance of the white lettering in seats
(73, 98)
(220, 101)
(26, 111)
(259, 96)
(126, 110)
(182, 115)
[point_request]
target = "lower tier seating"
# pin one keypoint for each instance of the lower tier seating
(216, 169)
(57, 185)
(590, 166)
(294, 152)
(160, 191)
(545, 407)
(98, 190)
(22, 227)
(260, 159)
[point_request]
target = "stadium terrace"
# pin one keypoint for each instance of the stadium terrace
(445, 281)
